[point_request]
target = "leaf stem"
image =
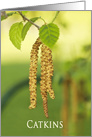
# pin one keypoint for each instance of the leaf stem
(24, 18)
(57, 12)
(42, 19)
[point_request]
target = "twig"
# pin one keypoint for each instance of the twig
(24, 18)
(3, 13)
(55, 16)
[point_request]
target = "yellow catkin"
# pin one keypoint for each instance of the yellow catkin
(32, 73)
(49, 71)
(43, 81)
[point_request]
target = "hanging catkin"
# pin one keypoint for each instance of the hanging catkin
(43, 80)
(49, 71)
(32, 73)
(46, 75)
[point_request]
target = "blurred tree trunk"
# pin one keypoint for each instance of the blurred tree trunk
(65, 109)
(82, 98)
(74, 93)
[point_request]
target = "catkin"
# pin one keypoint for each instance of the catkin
(46, 75)
(32, 73)
(43, 80)
(49, 71)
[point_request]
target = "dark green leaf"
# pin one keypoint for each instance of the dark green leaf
(3, 17)
(15, 34)
(27, 26)
(49, 34)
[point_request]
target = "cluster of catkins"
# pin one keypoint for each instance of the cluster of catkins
(46, 75)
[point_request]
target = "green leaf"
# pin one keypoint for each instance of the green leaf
(15, 34)
(49, 34)
(11, 13)
(27, 26)
(3, 17)
(24, 12)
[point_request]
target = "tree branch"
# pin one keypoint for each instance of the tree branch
(24, 18)
(3, 13)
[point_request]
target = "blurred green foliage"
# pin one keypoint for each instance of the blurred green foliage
(16, 113)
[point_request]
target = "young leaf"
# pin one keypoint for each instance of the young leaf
(24, 12)
(15, 34)
(49, 34)
(27, 26)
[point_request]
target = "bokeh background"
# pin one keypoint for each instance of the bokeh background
(71, 80)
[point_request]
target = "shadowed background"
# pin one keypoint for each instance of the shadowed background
(71, 80)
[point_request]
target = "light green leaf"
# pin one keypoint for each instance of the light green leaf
(27, 26)
(49, 34)
(24, 12)
(15, 34)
